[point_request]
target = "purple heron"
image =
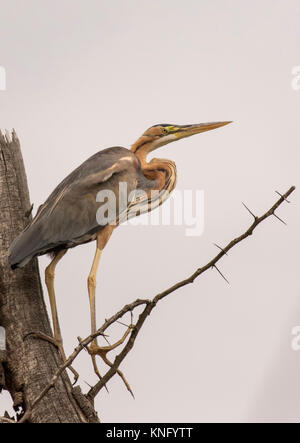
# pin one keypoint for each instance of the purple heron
(69, 216)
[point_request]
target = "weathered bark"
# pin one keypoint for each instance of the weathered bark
(31, 362)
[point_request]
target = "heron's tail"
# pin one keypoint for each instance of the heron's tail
(24, 248)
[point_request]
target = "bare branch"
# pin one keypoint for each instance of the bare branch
(147, 310)
(149, 306)
(227, 248)
(282, 196)
(219, 247)
(82, 344)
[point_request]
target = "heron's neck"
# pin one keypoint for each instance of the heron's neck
(161, 171)
(142, 147)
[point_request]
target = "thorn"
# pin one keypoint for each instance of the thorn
(83, 347)
(117, 321)
(120, 373)
(220, 248)
(214, 266)
(282, 196)
(280, 219)
(90, 386)
(249, 211)
(107, 341)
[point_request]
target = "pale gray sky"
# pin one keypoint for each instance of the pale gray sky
(82, 76)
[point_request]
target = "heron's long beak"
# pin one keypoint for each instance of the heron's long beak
(171, 133)
(188, 130)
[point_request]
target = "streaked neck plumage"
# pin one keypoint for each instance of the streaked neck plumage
(162, 171)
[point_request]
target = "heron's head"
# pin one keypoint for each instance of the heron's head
(160, 135)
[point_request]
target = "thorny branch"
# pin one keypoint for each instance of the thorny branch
(149, 306)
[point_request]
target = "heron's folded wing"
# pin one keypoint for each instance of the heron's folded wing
(85, 183)
(70, 211)
(102, 176)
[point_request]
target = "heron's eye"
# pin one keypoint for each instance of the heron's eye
(164, 131)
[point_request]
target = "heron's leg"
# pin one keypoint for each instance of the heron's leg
(102, 239)
(94, 349)
(92, 290)
(49, 279)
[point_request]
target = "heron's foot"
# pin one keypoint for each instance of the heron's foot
(102, 351)
(57, 342)
(94, 349)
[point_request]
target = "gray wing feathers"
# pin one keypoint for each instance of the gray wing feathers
(69, 214)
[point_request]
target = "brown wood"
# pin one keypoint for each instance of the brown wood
(31, 362)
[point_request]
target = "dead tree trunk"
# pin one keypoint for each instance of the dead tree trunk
(30, 362)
